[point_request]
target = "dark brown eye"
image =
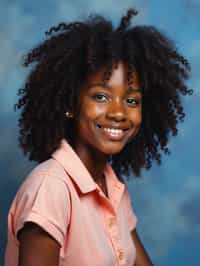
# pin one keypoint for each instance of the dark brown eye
(132, 101)
(100, 97)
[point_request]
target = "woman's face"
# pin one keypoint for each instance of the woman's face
(111, 115)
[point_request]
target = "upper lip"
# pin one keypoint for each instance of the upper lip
(114, 126)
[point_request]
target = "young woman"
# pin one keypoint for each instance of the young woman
(99, 103)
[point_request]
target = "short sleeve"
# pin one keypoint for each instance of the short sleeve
(48, 206)
(132, 219)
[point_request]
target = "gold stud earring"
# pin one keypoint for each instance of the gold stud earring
(69, 115)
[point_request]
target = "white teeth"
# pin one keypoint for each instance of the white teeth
(113, 131)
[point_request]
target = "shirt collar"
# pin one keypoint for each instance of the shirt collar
(73, 165)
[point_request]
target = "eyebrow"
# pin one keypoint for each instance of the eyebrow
(130, 90)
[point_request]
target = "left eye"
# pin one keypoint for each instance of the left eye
(132, 101)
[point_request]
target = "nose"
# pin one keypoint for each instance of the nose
(116, 111)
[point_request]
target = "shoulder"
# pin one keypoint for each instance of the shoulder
(49, 169)
(44, 199)
(46, 176)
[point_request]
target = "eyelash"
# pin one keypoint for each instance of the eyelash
(99, 94)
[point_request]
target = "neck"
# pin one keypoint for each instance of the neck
(94, 161)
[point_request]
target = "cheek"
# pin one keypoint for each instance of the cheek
(91, 111)
(136, 117)
(89, 115)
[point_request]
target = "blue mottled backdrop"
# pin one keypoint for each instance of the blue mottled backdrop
(166, 199)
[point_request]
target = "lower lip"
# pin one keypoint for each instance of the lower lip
(111, 136)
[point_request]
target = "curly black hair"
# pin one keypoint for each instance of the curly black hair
(71, 52)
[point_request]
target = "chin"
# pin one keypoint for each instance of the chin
(111, 149)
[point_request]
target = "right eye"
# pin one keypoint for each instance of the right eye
(100, 97)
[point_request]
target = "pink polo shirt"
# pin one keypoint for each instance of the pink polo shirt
(61, 197)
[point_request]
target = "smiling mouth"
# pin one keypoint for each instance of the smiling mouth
(113, 133)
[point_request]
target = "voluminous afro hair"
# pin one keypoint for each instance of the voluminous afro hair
(60, 66)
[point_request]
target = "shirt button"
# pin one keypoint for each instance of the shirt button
(111, 221)
(117, 185)
(121, 255)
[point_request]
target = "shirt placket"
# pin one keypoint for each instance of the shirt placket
(112, 227)
(114, 236)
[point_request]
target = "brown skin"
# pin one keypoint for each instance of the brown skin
(37, 247)
(113, 105)
(107, 106)
(142, 258)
